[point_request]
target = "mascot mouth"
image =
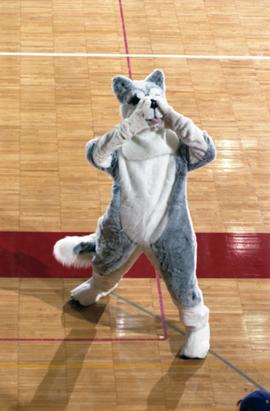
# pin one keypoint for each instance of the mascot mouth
(155, 122)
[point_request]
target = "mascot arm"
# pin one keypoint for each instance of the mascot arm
(200, 148)
(100, 151)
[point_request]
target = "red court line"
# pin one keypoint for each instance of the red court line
(220, 255)
(29, 254)
(125, 37)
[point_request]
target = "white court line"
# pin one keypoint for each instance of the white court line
(144, 56)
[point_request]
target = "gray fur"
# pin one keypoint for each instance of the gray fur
(175, 250)
(157, 77)
(125, 89)
(113, 247)
(122, 87)
(210, 154)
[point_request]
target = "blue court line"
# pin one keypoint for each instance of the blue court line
(179, 331)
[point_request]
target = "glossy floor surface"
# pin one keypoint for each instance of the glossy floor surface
(113, 356)
(121, 353)
(50, 106)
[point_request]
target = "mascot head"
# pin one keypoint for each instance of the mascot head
(129, 92)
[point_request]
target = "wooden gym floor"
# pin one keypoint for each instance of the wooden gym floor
(120, 354)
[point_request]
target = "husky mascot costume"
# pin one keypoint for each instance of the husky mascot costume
(148, 156)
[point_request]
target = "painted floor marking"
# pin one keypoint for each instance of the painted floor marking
(181, 332)
(131, 409)
(135, 56)
(131, 366)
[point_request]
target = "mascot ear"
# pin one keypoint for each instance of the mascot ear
(157, 77)
(121, 86)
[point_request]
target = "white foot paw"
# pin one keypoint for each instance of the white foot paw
(197, 343)
(88, 293)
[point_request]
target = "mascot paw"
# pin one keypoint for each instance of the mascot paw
(88, 293)
(197, 343)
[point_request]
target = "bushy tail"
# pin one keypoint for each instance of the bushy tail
(75, 251)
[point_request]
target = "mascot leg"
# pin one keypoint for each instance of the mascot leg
(110, 257)
(100, 285)
(197, 339)
(175, 258)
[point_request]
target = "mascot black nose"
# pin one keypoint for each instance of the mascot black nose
(153, 104)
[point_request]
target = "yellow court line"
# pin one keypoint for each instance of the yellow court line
(126, 409)
(124, 366)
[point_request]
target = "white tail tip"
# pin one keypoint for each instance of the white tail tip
(64, 254)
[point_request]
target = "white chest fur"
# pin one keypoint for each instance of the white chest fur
(145, 190)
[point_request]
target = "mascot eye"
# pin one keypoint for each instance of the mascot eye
(134, 100)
